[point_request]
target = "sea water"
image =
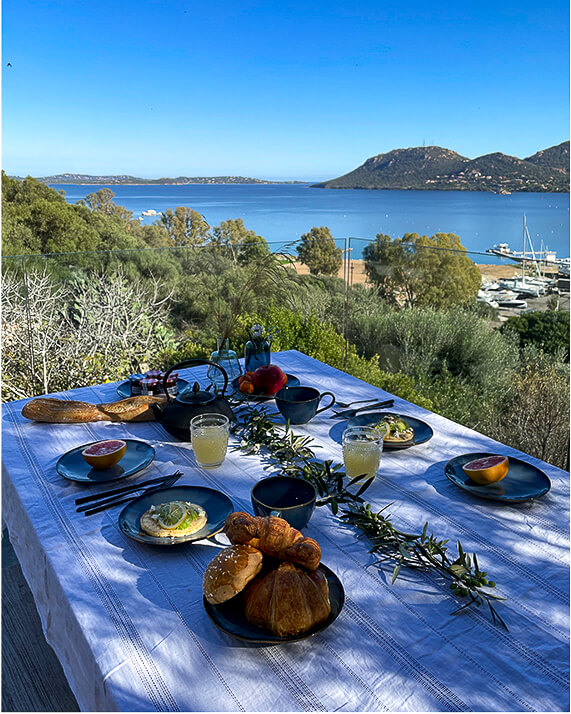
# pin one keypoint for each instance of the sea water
(281, 213)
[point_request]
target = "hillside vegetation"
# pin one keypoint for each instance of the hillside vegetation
(435, 168)
(114, 297)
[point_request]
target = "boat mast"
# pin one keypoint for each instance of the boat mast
(523, 252)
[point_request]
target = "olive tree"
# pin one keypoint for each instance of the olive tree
(318, 251)
(418, 270)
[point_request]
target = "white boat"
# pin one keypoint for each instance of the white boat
(513, 303)
(523, 286)
(486, 298)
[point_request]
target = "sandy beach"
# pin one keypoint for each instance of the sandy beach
(359, 277)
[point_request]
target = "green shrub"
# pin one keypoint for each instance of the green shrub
(546, 330)
(534, 416)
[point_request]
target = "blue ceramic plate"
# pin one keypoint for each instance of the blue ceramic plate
(124, 389)
(230, 618)
(523, 482)
(422, 432)
(216, 504)
(237, 394)
(74, 467)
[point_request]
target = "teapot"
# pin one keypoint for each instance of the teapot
(176, 413)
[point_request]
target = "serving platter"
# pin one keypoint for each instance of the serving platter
(124, 389)
(74, 467)
(292, 381)
(216, 504)
(230, 618)
(422, 431)
(523, 482)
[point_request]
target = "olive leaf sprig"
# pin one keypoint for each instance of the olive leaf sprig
(291, 453)
(259, 434)
(425, 551)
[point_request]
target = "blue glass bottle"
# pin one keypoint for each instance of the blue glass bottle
(257, 350)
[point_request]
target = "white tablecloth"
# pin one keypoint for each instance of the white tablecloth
(127, 622)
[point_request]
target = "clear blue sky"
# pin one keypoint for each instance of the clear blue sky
(276, 88)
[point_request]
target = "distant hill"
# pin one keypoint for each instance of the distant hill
(435, 168)
(86, 179)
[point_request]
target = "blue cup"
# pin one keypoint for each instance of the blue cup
(299, 404)
(287, 497)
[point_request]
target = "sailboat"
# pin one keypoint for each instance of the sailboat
(526, 285)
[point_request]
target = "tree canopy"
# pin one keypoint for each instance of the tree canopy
(242, 244)
(418, 270)
(318, 251)
(185, 226)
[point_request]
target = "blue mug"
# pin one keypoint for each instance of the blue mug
(287, 497)
(299, 404)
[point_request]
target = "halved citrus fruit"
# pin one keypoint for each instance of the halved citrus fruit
(104, 454)
(172, 514)
(488, 469)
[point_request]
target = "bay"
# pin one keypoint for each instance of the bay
(281, 213)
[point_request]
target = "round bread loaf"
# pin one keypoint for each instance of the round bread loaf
(230, 571)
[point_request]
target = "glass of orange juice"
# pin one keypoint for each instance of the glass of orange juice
(209, 438)
(362, 447)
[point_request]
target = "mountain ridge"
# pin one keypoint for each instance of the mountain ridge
(437, 168)
(126, 180)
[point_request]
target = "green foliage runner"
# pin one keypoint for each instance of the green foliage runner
(281, 448)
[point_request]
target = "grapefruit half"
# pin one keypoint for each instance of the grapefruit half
(104, 454)
(488, 469)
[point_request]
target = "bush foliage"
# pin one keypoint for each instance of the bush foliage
(75, 318)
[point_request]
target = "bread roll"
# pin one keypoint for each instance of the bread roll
(230, 571)
(288, 600)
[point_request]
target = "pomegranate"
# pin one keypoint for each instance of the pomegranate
(104, 454)
(487, 469)
(269, 379)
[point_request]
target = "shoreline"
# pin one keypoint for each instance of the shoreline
(489, 271)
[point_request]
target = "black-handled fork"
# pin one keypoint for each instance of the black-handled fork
(350, 413)
(130, 493)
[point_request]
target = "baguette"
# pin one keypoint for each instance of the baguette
(61, 411)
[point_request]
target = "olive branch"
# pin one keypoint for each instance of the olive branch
(259, 434)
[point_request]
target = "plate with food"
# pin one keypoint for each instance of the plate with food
(230, 616)
(263, 383)
(180, 514)
(134, 386)
(497, 477)
(400, 431)
(108, 460)
(269, 586)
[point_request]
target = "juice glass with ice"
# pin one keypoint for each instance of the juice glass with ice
(209, 438)
(362, 447)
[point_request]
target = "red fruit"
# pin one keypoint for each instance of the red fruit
(269, 379)
(488, 469)
(104, 454)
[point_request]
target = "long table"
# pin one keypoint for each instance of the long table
(127, 622)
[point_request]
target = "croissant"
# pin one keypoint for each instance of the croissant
(61, 411)
(288, 600)
(274, 537)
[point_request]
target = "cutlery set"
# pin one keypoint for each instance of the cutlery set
(350, 413)
(88, 505)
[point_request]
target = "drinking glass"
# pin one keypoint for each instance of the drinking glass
(362, 447)
(209, 438)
